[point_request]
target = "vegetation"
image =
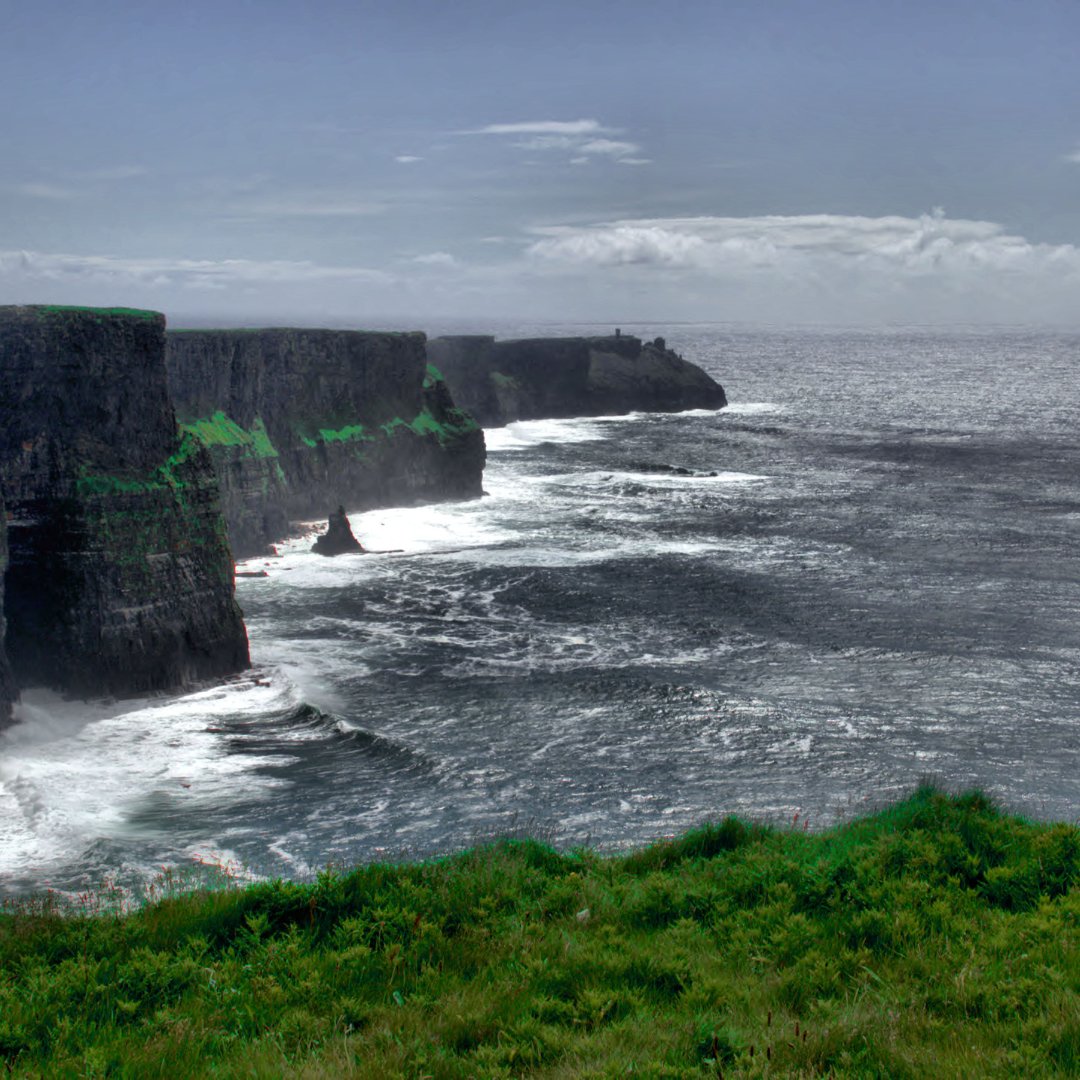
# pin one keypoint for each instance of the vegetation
(507, 382)
(99, 312)
(936, 938)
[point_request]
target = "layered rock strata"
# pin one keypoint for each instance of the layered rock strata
(120, 578)
(299, 420)
(8, 693)
(502, 381)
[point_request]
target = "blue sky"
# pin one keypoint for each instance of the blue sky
(787, 161)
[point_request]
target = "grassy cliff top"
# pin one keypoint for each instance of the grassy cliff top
(74, 309)
(195, 330)
(939, 937)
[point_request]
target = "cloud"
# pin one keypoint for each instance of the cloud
(620, 244)
(580, 139)
(541, 127)
(925, 244)
(407, 159)
(46, 191)
(1074, 157)
(33, 267)
(611, 147)
(930, 266)
(435, 258)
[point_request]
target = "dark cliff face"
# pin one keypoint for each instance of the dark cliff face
(502, 381)
(300, 421)
(8, 692)
(120, 577)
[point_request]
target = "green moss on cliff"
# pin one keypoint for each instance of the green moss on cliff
(66, 309)
(425, 422)
(222, 430)
(432, 376)
(166, 475)
(348, 433)
(507, 382)
(131, 518)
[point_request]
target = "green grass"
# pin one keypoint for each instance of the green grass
(75, 309)
(937, 938)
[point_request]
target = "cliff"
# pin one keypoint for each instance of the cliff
(300, 421)
(120, 577)
(8, 692)
(502, 381)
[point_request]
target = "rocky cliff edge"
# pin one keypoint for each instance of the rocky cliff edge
(120, 577)
(530, 379)
(299, 421)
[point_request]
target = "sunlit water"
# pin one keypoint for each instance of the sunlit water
(878, 584)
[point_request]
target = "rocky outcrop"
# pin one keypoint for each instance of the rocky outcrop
(8, 693)
(338, 538)
(120, 578)
(297, 420)
(502, 381)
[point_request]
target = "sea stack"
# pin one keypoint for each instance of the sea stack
(120, 578)
(540, 378)
(297, 420)
(338, 538)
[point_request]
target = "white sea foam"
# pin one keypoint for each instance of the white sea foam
(527, 434)
(751, 408)
(75, 773)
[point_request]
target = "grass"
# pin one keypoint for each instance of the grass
(100, 312)
(935, 938)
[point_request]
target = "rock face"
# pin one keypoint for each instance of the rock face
(502, 381)
(8, 692)
(296, 420)
(338, 538)
(120, 578)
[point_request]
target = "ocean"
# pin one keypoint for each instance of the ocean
(859, 575)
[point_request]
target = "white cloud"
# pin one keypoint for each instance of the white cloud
(407, 159)
(581, 139)
(38, 267)
(617, 245)
(46, 191)
(824, 265)
(611, 147)
(926, 244)
(1074, 157)
(436, 258)
(548, 142)
(541, 127)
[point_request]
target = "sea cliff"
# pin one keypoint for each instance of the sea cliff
(530, 379)
(8, 693)
(299, 421)
(120, 578)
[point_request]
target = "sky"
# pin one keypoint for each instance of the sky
(768, 161)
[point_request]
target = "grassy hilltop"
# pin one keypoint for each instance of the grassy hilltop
(938, 938)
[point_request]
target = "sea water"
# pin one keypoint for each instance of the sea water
(860, 574)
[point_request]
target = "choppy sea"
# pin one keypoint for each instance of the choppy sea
(860, 574)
